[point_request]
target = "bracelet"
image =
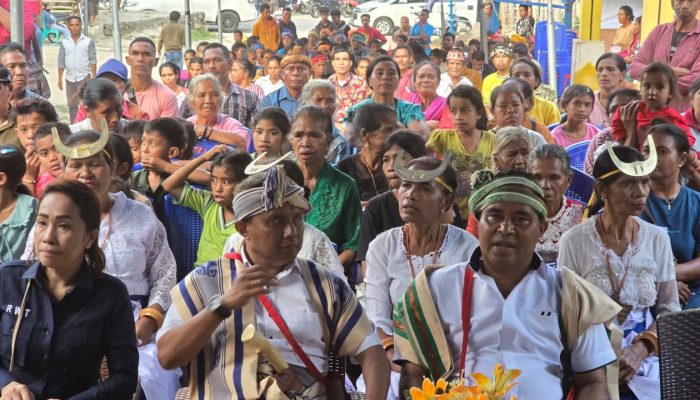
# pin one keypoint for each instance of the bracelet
(388, 342)
(153, 314)
(649, 337)
(33, 182)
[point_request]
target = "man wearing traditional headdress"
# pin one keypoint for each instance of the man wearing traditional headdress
(513, 309)
(456, 65)
(293, 312)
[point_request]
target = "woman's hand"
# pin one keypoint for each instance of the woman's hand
(16, 391)
(628, 116)
(145, 328)
(683, 292)
(630, 360)
(214, 151)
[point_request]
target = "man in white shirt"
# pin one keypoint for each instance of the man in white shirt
(456, 63)
(301, 311)
(78, 59)
(505, 306)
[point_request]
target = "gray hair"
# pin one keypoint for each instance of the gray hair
(311, 87)
(552, 151)
(194, 84)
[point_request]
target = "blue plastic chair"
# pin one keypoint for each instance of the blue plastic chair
(577, 154)
(581, 186)
(136, 167)
(201, 146)
(184, 228)
(541, 37)
(553, 126)
(45, 32)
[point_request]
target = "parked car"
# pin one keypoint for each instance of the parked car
(232, 11)
(385, 15)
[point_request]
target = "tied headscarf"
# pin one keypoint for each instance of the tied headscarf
(492, 189)
(275, 191)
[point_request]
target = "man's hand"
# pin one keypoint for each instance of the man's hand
(683, 292)
(16, 391)
(251, 282)
(680, 72)
(60, 84)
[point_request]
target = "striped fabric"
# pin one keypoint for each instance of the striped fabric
(418, 334)
(225, 368)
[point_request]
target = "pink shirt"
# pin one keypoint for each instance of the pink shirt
(405, 89)
(657, 47)
(563, 140)
(158, 101)
(228, 124)
(598, 115)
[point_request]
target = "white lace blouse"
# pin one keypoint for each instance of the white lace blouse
(569, 215)
(650, 258)
(136, 250)
(389, 274)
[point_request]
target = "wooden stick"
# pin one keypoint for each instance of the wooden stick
(265, 347)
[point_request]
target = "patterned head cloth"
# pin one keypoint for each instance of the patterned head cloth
(275, 191)
(456, 55)
(502, 50)
(490, 189)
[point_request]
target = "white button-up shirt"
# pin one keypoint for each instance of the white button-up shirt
(520, 332)
(445, 87)
(77, 57)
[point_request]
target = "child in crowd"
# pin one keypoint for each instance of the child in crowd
(27, 116)
(469, 142)
(51, 160)
(133, 133)
(270, 129)
(195, 68)
(577, 101)
(215, 206)
(185, 73)
(17, 207)
(501, 58)
(121, 171)
(658, 88)
(163, 139)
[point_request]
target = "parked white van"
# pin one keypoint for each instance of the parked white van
(386, 14)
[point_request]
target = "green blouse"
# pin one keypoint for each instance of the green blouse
(336, 208)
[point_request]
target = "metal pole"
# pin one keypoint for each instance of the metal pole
(86, 18)
(221, 31)
(551, 48)
(116, 33)
(17, 21)
(442, 16)
(483, 27)
(188, 25)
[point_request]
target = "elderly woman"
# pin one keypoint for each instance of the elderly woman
(543, 111)
(426, 78)
(610, 72)
(373, 122)
(101, 100)
(676, 208)
(396, 256)
(336, 203)
(322, 93)
(629, 259)
(508, 108)
(205, 98)
(511, 152)
(68, 314)
(135, 248)
(383, 78)
(551, 168)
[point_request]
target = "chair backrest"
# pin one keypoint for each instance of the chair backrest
(678, 354)
(136, 167)
(201, 146)
(577, 153)
(551, 127)
(184, 228)
(581, 186)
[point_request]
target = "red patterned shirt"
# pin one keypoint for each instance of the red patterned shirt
(349, 92)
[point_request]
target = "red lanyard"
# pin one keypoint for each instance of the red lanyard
(272, 312)
(279, 321)
(466, 313)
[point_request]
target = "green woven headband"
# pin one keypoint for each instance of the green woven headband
(490, 194)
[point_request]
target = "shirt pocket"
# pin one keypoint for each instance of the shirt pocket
(81, 348)
(7, 325)
(306, 329)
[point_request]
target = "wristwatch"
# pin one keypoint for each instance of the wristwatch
(216, 305)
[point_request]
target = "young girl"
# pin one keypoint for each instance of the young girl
(577, 101)
(185, 73)
(469, 142)
(17, 208)
(51, 160)
(270, 129)
(169, 75)
(215, 206)
(659, 87)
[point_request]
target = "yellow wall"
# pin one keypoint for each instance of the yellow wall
(654, 13)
